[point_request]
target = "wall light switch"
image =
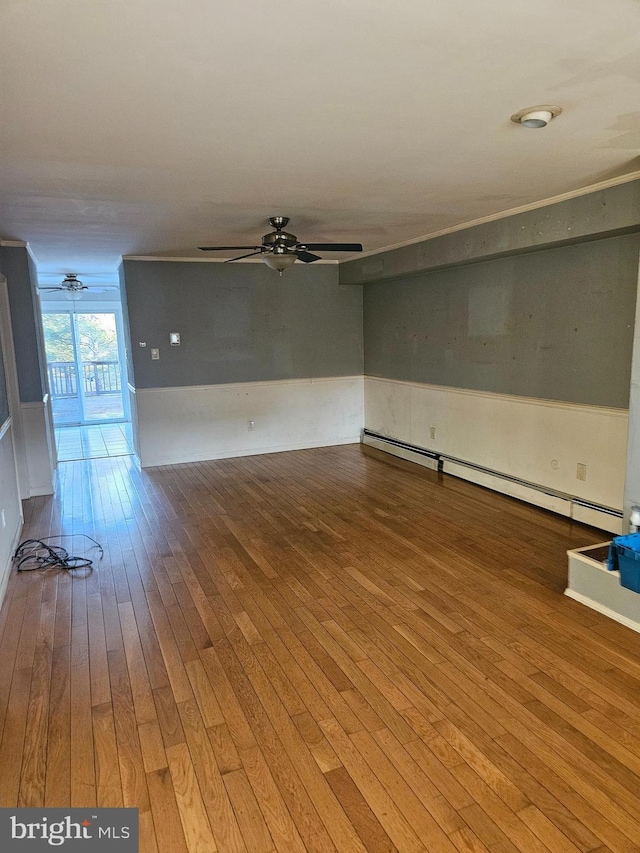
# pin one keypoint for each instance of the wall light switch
(3, 518)
(174, 339)
(155, 354)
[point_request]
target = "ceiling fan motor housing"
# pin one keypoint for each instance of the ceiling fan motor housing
(280, 238)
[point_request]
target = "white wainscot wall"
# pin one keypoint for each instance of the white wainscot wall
(38, 446)
(9, 503)
(195, 423)
(538, 441)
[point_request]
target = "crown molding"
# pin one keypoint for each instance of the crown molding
(493, 217)
(20, 244)
(504, 214)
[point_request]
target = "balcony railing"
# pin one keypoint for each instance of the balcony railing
(98, 377)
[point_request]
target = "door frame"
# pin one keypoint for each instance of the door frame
(94, 308)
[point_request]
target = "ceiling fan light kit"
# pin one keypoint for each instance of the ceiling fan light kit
(280, 249)
(280, 259)
(73, 295)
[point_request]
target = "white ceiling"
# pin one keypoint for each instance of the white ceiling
(155, 126)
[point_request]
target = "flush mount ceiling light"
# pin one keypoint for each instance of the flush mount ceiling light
(539, 116)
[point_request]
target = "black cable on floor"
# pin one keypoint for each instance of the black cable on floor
(36, 554)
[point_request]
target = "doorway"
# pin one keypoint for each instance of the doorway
(86, 369)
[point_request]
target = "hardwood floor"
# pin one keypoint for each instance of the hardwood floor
(316, 651)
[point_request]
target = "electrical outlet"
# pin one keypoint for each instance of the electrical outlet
(3, 518)
(155, 354)
(251, 425)
(581, 473)
(432, 432)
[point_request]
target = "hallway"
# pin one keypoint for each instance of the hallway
(318, 650)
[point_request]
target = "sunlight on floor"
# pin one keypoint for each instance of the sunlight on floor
(93, 442)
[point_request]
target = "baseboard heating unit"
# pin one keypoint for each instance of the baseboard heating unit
(571, 506)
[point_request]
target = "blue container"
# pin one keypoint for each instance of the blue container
(624, 555)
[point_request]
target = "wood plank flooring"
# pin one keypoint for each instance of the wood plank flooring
(324, 650)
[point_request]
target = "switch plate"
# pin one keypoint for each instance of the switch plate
(155, 354)
(251, 425)
(432, 432)
(581, 472)
(4, 519)
(174, 339)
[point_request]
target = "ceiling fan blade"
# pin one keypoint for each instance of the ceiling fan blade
(334, 247)
(307, 257)
(250, 255)
(225, 248)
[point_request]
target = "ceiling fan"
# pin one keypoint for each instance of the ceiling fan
(280, 250)
(73, 288)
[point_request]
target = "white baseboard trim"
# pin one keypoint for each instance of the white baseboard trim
(41, 491)
(4, 580)
(253, 451)
(601, 608)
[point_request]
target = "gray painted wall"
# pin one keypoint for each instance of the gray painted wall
(555, 324)
(17, 266)
(240, 323)
(127, 326)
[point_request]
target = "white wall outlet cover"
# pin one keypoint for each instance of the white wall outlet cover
(174, 339)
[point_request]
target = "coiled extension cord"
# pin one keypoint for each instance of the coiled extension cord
(36, 554)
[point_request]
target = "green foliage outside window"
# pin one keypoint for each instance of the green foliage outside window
(97, 339)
